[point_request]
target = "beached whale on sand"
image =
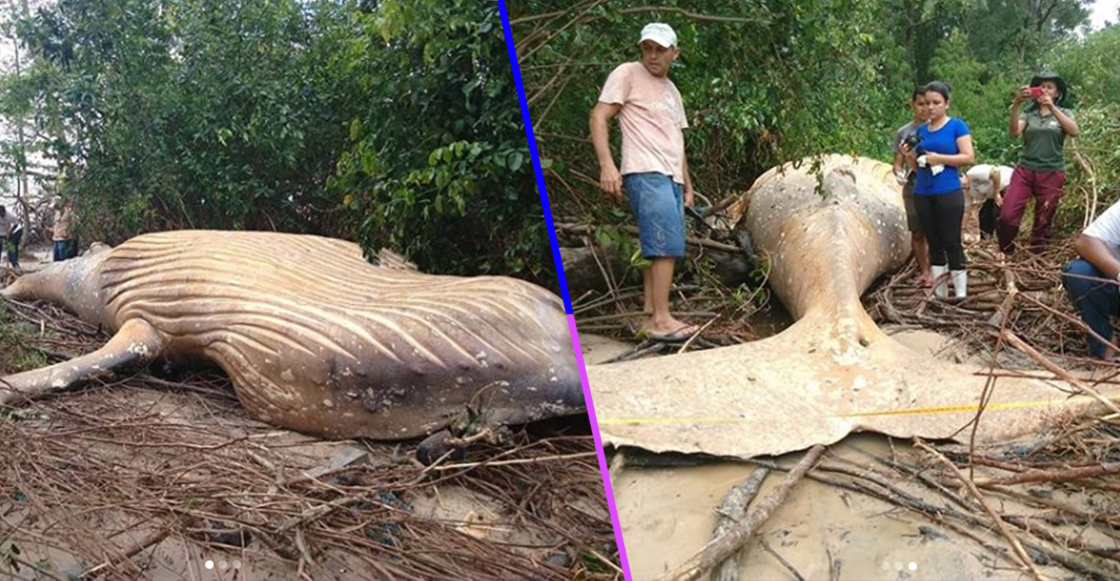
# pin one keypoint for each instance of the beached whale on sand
(829, 232)
(314, 337)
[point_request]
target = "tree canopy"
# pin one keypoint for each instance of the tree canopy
(387, 122)
(767, 81)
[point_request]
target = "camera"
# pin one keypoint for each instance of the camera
(1036, 93)
(914, 142)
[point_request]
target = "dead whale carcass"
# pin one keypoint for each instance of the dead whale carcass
(314, 337)
(834, 371)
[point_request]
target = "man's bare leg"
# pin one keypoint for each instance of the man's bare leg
(647, 290)
(662, 321)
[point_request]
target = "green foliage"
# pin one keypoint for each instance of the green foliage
(767, 82)
(1092, 67)
(763, 83)
(438, 165)
(393, 123)
(17, 355)
(194, 113)
(980, 97)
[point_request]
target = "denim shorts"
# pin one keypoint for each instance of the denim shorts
(658, 204)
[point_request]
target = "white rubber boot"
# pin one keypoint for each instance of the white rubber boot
(960, 283)
(940, 285)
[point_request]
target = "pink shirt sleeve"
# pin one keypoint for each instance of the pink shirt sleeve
(617, 88)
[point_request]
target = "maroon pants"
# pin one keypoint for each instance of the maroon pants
(1046, 189)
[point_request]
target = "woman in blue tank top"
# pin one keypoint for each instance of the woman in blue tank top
(945, 146)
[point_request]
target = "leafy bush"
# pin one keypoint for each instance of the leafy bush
(438, 165)
(392, 123)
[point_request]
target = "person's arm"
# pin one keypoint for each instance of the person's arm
(897, 162)
(610, 181)
(904, 158)
(1096, 252)
(965, 157)
(908, 155)
(1015, 125)
(898, 158)
(997, 186)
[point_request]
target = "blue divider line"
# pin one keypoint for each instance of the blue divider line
(527, 120)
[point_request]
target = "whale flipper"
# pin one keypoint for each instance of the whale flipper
(135, 343)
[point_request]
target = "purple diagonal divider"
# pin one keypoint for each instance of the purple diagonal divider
(604, 470)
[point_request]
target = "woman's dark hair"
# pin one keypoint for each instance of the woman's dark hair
(938, 87)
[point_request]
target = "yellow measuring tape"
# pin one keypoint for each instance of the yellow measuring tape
(903, 412)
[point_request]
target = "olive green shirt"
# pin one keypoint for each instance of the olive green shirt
(1043, 139)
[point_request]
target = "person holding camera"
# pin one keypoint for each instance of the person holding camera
(654, 174)
(1044, 126)
(945, 144)
(906, 175)
(1093, 280)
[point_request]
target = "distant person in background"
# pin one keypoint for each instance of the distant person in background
(985, 186)
(1093, 280)
(12, 230)
(946, 144)
(65, 242)
(1041, 172)
(906, 176)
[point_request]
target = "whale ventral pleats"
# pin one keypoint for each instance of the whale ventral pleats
(317, 339)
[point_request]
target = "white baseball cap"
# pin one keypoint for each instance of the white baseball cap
(660, 33)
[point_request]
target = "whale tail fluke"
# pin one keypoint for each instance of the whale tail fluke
(814, 383)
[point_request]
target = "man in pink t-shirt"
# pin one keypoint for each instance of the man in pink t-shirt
(654, 172)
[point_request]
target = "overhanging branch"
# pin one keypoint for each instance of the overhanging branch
(643, 9)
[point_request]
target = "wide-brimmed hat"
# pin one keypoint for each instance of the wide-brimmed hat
(660, 33)
(1053, 77)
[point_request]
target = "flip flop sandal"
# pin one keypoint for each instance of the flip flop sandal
(676, 336)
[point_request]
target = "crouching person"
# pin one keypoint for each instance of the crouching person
(1093, 280)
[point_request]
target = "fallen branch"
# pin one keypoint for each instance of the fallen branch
(588, 229)
(1063, 475)
(1062, 373)
(1025, 559)
(719, 549)
(731, 510)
